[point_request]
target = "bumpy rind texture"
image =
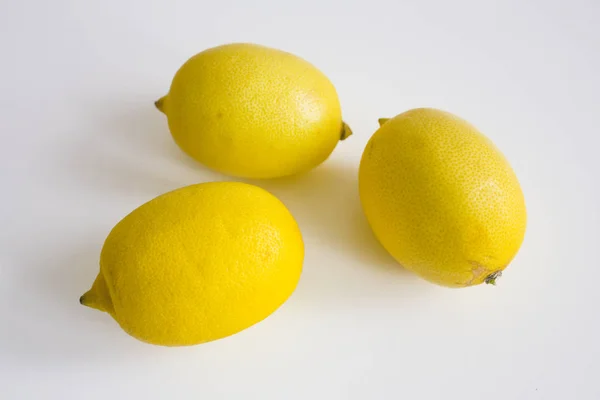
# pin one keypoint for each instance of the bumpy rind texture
(441, 198)
(252, 111)
(198, 264)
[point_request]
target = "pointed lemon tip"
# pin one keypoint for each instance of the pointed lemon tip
(98, 296)
(346, 131)
(160, 104)
(383, 121)
(89, 299)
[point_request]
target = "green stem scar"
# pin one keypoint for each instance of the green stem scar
(491, 279)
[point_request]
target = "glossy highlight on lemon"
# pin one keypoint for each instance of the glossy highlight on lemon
(441, 198)
(252, 111)
(198, 264)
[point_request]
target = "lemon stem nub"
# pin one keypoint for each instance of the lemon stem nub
(491, 279)
(346, 131)
(98, 296)
(383, 121)
(160, 103)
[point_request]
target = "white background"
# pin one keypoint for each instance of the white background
(82, 145)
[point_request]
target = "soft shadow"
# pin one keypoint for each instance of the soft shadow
(128, 150)
(326, 204)
(345, 266)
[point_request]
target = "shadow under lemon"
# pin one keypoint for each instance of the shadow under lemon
(345, 266)
(128, 150)
(326, 205)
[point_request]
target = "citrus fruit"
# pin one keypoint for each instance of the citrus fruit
(441, 198)
(252, 111)
(198, 264)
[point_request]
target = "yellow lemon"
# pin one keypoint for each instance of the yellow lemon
(441, 198)
(252, 111)
(198, 264)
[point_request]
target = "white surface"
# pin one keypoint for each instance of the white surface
(82, 145)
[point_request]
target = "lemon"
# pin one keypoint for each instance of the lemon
(441, 198)
(198, 264)
(252, 111)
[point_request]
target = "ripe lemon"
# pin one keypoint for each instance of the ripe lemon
(441, 198)
(252, 111)
(198, 264)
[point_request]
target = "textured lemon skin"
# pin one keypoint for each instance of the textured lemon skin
(198, 264)
(251, 111)
(441, 198)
